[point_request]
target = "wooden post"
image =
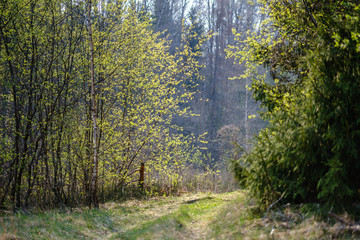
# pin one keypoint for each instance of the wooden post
(142, 176)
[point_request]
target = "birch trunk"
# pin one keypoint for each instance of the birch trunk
(94, 180)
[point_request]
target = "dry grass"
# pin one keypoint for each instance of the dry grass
(240, 219)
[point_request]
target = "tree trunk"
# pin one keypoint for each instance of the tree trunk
(246, 115)
(94, 180)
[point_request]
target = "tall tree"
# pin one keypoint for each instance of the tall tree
(226, 98)
(94, 181)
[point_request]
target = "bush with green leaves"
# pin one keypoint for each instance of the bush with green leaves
(49, 137)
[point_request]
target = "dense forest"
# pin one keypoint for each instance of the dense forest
(106, 99)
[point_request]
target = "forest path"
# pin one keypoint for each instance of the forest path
(190, 216)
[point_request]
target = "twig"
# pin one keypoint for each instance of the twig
(348, 225)
(339, 219)
(271, 205)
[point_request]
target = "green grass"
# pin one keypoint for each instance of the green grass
(194, 216)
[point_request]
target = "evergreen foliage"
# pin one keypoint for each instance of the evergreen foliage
(310, 150)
